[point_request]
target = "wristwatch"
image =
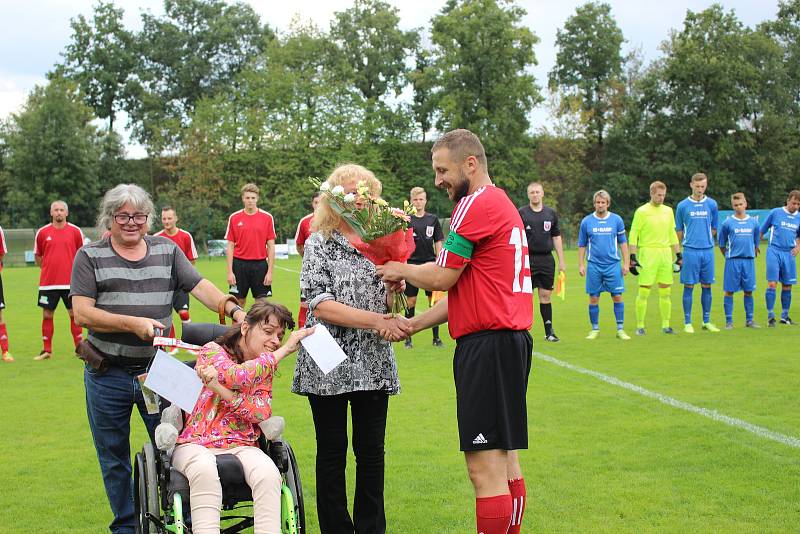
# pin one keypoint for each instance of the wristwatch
(234, 310)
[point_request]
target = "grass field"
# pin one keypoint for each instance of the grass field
(602, 457)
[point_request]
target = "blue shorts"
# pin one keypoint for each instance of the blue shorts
(781, 266)
(604, 278)
(698, 266)
(740, 275)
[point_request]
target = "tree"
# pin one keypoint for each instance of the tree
(53, 153)
(423, 82)
(589, 63)
(101, 58)
(194, 51)
(481, 56)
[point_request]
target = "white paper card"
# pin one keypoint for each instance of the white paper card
(323, 349)
(174, 380)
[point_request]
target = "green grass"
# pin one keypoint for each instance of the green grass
(601, 458)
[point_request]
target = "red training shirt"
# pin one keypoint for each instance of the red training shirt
(250, 234)
(57, 247)
(494, 290)
(3, 249)
(184, 241)
(303, 230)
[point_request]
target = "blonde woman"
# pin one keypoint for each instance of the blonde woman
(344, 295)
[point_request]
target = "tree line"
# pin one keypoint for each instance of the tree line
(219, 98)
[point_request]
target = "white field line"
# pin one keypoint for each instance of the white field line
(285, 269)
(675, 403)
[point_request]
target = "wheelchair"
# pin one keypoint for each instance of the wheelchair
(161, 493)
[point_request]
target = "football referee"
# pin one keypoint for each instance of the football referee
(544, 235)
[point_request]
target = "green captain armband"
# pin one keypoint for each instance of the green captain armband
(458, 245)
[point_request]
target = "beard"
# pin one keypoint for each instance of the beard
(461, 189)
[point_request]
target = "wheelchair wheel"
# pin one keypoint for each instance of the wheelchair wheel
(145, 482)
(293, 519)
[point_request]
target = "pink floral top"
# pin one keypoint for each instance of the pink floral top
(218, 424)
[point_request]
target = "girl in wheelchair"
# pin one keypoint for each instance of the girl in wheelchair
(237, 371)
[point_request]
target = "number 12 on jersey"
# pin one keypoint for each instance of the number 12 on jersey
(518, 241)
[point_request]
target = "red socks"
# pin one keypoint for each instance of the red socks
(3, 338)
(518, 497)
(47, 334)
(77, 332)
(493, 514)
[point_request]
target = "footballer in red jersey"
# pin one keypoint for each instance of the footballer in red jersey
(251, 248)
(7, 357)
(185, 242)
(303, 231)
(485, 267)
(54, 250)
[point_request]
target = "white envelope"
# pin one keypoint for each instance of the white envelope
(323, 349)
(174, 380)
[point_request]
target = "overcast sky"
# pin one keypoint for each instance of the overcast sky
(35, 32)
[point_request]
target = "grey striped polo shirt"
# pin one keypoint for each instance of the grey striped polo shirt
(141, 288)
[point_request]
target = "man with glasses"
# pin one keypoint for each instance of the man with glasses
(54, 250)
(122, 290)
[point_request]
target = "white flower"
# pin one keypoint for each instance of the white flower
(324, 186)
(338, 190)
(349, 197)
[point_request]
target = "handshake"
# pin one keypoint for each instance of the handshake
(393, 327)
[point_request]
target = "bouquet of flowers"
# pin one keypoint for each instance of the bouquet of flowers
(383, 230)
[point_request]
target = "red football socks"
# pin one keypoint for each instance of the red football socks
(3, 338)
(518, 497)
(47, 334)
(77, 332)
(493, 514)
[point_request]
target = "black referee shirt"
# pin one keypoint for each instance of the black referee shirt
(540, 228)
(427, 231)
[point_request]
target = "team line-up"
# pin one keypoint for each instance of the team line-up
(126, 285)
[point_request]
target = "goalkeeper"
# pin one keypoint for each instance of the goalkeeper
(652, 241)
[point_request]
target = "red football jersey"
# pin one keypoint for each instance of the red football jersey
(250, 234)
(494, 290)
(303, 230)
(184, 240)
(57, 247)
(3, 249)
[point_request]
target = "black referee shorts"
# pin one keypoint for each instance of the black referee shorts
(491, 371)
(2, 296)
(250, 277)
(543, 270)
(412, 290)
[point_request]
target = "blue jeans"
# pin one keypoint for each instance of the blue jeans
(110, 398)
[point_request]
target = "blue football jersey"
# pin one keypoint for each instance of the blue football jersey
(696, 219)
(740, 237)
(602, 238)
(785, 228)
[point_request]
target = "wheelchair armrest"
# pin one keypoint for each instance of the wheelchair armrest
(201, 333)
(276, 450)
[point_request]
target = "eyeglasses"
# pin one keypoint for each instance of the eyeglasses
(123, 218)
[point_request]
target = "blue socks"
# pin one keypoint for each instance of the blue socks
(619, 314)
(727, 304)
(786, 302)
(594, 316)
(748, 307)
(705, 301)
(769, 296)
(687, 304)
